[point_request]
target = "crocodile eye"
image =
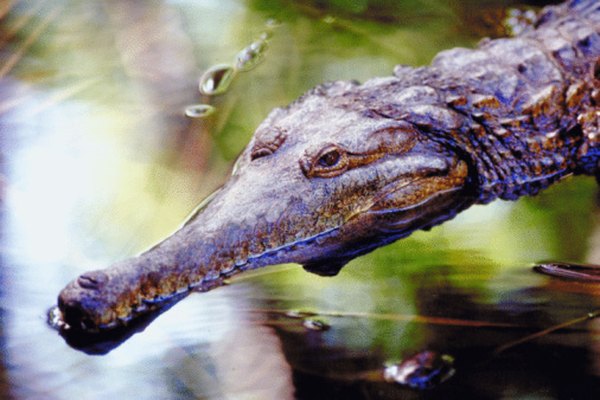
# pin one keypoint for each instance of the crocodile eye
(329, 159)
(329, 162)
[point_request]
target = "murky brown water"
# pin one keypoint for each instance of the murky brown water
(100, 162)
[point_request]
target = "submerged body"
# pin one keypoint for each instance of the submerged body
(350, 167)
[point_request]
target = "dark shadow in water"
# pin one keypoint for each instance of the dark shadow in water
(104, 341)
(556, 366)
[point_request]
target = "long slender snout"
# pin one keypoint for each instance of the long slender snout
(199, 257)
(245, 225)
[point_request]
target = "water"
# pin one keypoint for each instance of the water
(216, 79)
(100, 163)
(315, 324)
(199, 110)
(251, 55)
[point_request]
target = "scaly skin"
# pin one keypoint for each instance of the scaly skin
(349, 167)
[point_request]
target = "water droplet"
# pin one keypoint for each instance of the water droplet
(315, 324)
(199, 110)
(251, 56)
(55, 318)
(424, 370)
(216, 79)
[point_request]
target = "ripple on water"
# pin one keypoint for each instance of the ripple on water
(55, 318)
(424, 370)
(314, 324)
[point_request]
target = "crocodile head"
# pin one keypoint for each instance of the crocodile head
(321, 182)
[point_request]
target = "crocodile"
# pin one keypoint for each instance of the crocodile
(350, 167)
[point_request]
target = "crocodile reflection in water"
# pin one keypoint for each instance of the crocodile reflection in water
(350, 167)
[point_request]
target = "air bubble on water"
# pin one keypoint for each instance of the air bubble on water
(315, 324)
(199, 110)
(251, 56)
(216, 79)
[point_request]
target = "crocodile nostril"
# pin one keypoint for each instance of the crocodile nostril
(92, 280)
